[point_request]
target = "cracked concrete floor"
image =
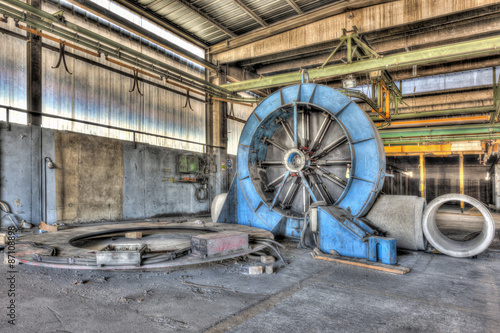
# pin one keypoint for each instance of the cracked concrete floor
(440, 294)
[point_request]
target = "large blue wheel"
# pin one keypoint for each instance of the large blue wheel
(309, 143)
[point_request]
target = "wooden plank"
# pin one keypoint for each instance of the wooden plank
(362, 263)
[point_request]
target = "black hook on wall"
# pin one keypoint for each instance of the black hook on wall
(136, 83)
(62, 57)
(188, 101)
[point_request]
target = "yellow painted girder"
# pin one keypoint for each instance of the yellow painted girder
(443, 149)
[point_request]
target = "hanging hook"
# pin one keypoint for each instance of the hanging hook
(62, 57)
(136, 83)
(188, 101)
(231, 110)
(305, 75)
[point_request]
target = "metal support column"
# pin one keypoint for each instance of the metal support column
(349, 50)
(34, 67)
(34, 102)
(392, 181)
(462, 180)
(496, 97)
(401, 184)
(406, 184)
(219, 138)
(423, 193)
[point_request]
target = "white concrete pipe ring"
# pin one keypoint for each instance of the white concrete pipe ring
(217, 204)
(449, 246)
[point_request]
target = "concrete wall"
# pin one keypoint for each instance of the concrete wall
(21, 176)
(147, 189)
(95, 178)
(89, 178)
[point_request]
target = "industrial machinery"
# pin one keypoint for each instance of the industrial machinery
(311, 165)
(310, 161)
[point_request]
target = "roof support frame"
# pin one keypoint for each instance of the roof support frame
(295, 6)
(251, 13)
(198, 11)
(445, 53)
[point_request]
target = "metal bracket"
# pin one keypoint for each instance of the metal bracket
(59, 15)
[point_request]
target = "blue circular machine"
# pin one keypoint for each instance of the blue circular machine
(305, 146)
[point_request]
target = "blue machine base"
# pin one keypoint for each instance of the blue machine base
(350, 236)
(337, 229)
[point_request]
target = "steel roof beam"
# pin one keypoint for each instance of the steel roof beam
(108, 15)
(250, 12)
(295, 6)
(294, 22)
(446, 53)
(161, 21)
(208, 18)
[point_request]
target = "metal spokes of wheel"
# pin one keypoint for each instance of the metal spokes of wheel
(308, 159)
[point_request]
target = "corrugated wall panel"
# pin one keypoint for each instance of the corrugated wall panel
(234, 128)
(98, 95)
(13, 73)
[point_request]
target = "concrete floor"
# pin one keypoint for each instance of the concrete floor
(440, 294)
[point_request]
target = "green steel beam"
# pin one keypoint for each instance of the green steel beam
(441, 131)
(451, 52)
(418, 140)
(441, 113)
(440, 134)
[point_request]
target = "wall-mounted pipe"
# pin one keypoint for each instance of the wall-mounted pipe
(51, 19)
(96, 42)
(440, 113)
(437, 122)
(98, 64)
(441, 131)
(37, 113)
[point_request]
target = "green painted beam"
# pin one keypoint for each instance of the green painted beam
(440, 113)
(440, 134)
(418, 140)
(441, 131)
(451, 52)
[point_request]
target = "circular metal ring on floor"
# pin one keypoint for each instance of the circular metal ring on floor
(449, 246)
(71, 256)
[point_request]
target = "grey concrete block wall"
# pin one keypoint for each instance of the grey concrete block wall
(21, 172)
(147, 189)
(145, 194)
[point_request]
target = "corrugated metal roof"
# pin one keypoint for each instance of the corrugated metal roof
(207, 19)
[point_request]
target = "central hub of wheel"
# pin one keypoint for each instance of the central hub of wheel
(295, 160)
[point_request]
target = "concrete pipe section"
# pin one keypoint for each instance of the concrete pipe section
(401, 217)
(451, 247)
(217, 204)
